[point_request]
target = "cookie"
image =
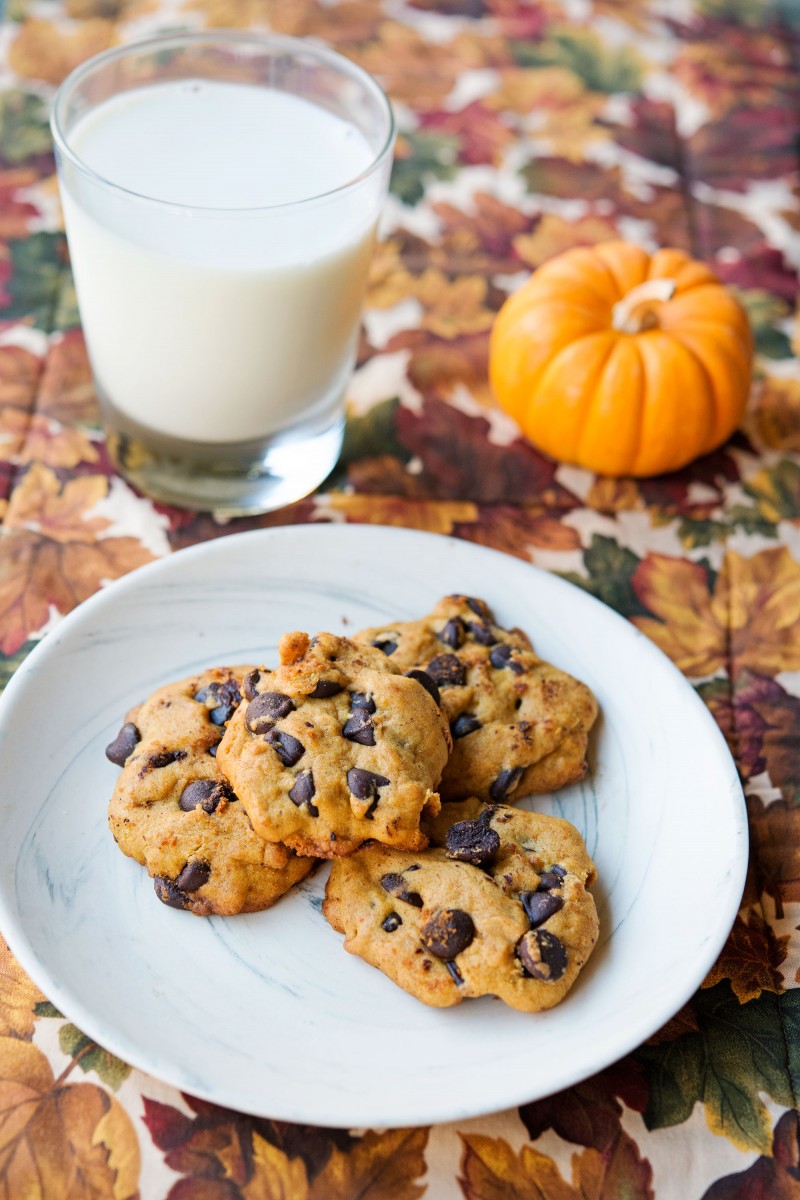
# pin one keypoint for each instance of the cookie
(519, 725)
(501, 908)
(336, 747)
(174, 811)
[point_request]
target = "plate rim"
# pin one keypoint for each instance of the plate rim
(429, 1113)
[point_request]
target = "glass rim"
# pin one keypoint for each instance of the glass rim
(220, 38)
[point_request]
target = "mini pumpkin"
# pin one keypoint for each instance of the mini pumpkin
(621, 361)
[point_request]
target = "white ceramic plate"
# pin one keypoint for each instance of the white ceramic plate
(266, 1012)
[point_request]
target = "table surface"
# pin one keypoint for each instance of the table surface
(526, 128)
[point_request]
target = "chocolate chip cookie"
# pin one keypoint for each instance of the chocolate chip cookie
(519, 725)
(501, 908)
(175, 812)
(336, 747)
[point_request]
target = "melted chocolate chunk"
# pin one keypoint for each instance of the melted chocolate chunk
(540, 906)
(326, 688)
(221, 700)
(464, 725)
(447, 671)
(250, 684)
(506, 783)
(163, 759)
(360, 700)
(287, 748)
(554, 878)
(363, 784)
(454, 973)
(387, 645)
(396, 885)
(453, 633)
(448, 932)
(359, 728)
(119, 751)
(479, 607)
(304, 791)
(500, 658)
(266, 709)
(205, 794)
(392, 922)
(168, 894)
(193, 876)
(472, 842)
(542, 955)
(482, 633)
(424, 679)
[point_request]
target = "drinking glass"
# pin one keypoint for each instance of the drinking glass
(222, 331)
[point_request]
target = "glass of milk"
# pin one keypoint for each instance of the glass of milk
(221, 194)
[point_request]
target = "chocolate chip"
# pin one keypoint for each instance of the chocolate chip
(359, 728)
(250, 684)
(360, 700)
(424, 679)
(506, 783)
(472, 842)
(205, 794)
(304, 791)
(448, 932)
(447, 671)
(163, 759)
(193, 876)
(542, 955)
(500, 658)
(123, 745)
(266, 709)
(287, 748)
(452, 634)
(554, 878)
(413, 867)
(364, 784)
(212, 750)
(326, 688)
(395, 885)
(387, 646)
(464, 725)
(482, 633)
(221, 699)
(392, 922)
(168, 894)
(479, 607)
(454, 973)
(540, 906)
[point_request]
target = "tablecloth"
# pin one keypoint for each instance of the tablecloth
(525, 128)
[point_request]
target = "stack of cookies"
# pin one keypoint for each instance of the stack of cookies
(397, 755)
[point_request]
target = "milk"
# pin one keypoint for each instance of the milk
(234, 313)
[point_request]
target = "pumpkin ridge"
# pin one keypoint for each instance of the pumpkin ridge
(716, 411)
(555, 367)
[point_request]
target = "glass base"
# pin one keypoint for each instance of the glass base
(235, 480)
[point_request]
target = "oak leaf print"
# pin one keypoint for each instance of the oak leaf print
(491, 1170)
(61, 1139)
(52, 552)
(19, 996)
(749, 617)
(41, 50)
(379, 1166)
(751, 958)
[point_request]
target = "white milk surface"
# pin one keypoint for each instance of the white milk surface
(230, 317)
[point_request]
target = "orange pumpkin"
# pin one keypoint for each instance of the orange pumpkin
(621, 361)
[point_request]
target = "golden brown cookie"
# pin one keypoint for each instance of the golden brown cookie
(335, 747)
(500, 909)
(174, 811)
(519, 725)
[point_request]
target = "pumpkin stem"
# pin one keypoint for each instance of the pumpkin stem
(636, 312)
